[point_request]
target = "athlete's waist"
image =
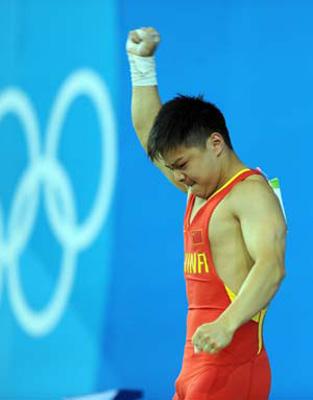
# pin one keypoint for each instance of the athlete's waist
(208, 293)
(245, 342)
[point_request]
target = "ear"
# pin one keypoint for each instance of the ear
(216, 143)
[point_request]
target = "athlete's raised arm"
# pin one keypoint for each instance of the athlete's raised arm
(145, 103)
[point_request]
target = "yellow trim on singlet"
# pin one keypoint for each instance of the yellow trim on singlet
(218, 191)
(229, 181)
(259, 317)
(262, 315)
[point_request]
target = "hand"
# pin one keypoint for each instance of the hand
(212, 337)
(143, 42)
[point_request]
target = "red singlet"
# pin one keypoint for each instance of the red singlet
(240, 371)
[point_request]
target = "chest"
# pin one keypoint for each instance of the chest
(223, 226)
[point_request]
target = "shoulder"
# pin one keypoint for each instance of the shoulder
(254, 195)
(250, 187)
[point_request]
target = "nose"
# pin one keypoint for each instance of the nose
(178, 176)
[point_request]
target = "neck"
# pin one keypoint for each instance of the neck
(230, 166)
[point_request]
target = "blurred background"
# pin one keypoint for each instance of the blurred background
(92, 295)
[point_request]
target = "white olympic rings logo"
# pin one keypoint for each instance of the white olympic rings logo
(45, 169)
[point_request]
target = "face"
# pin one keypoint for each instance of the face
(197, 167)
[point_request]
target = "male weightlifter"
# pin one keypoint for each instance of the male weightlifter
(234, 235)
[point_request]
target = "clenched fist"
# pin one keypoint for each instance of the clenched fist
(143, 42)
(212, 337)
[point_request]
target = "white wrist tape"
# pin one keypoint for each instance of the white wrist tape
(143, 70)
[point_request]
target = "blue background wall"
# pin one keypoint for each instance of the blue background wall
(123, 324)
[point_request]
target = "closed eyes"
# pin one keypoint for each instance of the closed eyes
(182, 165)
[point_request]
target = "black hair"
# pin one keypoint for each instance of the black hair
(185, 120)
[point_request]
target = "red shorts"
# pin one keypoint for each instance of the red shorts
(250, 380)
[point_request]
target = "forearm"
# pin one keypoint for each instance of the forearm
(255, 293)
(145, 105)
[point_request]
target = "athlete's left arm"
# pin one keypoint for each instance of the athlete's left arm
(264, 231)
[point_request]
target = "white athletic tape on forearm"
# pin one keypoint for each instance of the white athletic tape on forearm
(142, 70)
